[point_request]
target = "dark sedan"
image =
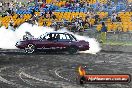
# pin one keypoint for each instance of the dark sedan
(53, 41)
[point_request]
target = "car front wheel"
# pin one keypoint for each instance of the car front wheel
(72, 50)
(30, 49)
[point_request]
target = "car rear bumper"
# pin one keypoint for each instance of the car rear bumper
(20, 46)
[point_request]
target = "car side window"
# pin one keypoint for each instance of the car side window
(52, 37)
(64, 37)
(67, 37)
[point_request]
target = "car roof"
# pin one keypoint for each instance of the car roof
(57, 32)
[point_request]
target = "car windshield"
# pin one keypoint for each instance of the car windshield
(73, 38)
(58, 36)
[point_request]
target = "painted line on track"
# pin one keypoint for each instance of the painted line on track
(8, 82)
(57, 83)
(58, 72)
(37, 79)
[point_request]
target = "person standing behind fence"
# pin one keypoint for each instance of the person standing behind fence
(103, 33)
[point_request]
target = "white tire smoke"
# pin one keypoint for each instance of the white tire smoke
(8, 37)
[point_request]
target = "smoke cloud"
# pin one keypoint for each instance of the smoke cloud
(9, 37)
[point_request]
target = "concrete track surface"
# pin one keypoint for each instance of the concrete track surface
(59, 70)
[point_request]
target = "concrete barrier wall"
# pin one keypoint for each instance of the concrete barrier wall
(117, 48)
(125, 38)
(122, 37)
(119, 36)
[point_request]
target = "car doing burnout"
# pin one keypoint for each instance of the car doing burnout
(53, 41)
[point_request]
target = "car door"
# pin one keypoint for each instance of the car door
(62, 41)
(46, 42)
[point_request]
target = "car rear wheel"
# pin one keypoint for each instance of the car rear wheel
(72, 50)
(30, 48)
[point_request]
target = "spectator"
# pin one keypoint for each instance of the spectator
(41, 11)
(73, 19)
(47, 15)
(81, 4)
(43, 5)
(44, 1)
(76, 25)
(77, 17)
(81, 24)
(50, 12)
(11, 5)
(7, 13)
(96, 18)
(53, 16)
(67, 4)
(54, 23)
(88, 22)
(80, 21)
(77, 5)
(10, 25)
(33, 12)
(108, 3)
(64, 21)
(44, 23)
(85, 25)
(21, 16)
(86, 5)
(20, 5)
(131, 18)
(113, 17)
(118, 19)
(1, 6)
(87, 16)
(44, 14)
(103, 33)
